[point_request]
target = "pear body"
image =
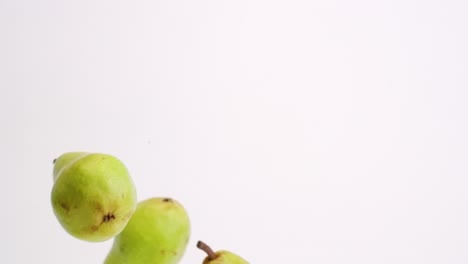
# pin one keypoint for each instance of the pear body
(157, 233)
(225, 257)
(93, 196)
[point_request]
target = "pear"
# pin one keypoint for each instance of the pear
(157, 233)
(93, 196)
(220, 257)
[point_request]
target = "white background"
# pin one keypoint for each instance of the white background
(292, 131)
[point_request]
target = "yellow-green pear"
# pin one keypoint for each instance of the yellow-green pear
(220, 257)
(157, 233)
(93, 195)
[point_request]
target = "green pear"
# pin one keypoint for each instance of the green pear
(93, 196)
(220, 257)
(157, 233)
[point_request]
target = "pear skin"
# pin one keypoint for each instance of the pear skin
(157, 233)
(93, 196)
(220, 257)
(66, 159)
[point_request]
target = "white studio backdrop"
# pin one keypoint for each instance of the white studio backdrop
(323, 132)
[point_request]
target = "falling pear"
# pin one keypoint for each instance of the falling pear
(219, 257)
(93, 196)
(157, 233)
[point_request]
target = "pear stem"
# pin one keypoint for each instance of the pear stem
(211, 254)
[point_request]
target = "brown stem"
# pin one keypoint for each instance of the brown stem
(207, 249)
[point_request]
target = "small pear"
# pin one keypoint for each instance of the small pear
(93, 196)
(157, 233)
(220, 257)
